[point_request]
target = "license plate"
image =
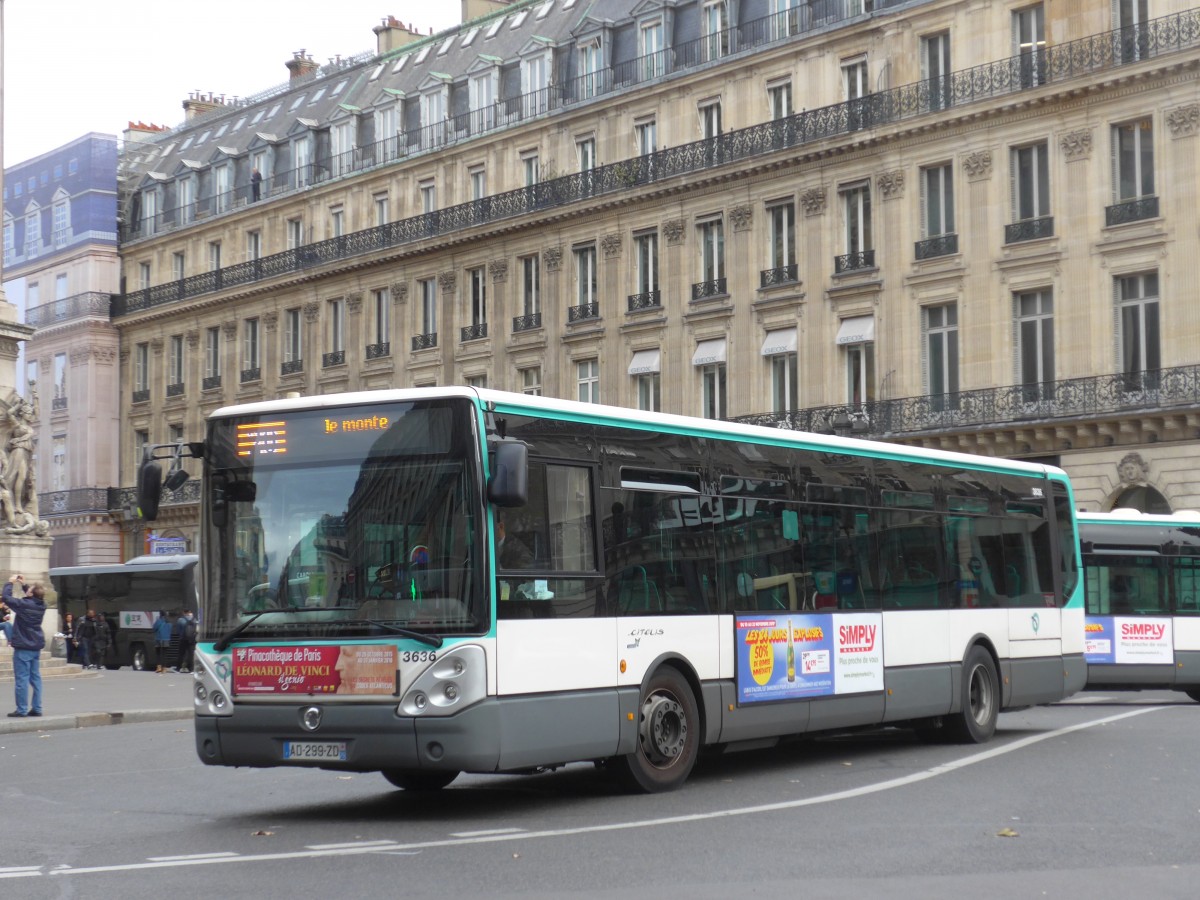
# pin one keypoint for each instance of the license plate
(314, 750)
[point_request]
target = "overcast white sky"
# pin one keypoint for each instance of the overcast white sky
(76, 66)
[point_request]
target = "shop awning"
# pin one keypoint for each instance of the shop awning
(709, 352)
(856, 330)
(781, 341)
(644, 362)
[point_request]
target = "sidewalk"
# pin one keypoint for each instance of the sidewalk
(102, 698)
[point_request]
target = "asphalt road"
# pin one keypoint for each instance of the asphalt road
(1098, 797)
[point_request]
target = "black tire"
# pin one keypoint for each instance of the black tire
(418, 779)
(975, 723)
(137, 658)
(668, 736)
(1194, 694)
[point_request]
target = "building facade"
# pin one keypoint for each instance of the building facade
(61, 266)
(936, 222)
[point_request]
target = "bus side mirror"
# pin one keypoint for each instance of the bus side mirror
(149, 487)
(509, 484)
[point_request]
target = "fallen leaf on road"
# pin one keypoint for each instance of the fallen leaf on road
(261, 833)
(1007, 832)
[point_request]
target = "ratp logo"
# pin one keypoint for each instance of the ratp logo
(1036, 621)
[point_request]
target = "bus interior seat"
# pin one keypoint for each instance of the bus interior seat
(636, 593)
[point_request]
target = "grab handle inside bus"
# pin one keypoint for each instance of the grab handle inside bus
(508, 485)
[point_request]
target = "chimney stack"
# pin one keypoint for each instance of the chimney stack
(199, 103)
(475, 9)
(392, 34)
(301, 64)
(141, 131)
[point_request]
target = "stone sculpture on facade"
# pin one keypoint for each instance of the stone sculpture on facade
(18, 488)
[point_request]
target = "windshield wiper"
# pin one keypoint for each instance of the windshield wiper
(433, 640)
(225, 639)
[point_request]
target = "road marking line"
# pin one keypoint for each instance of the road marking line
(224, 854)
(470, 834)
(351, 844)
(903, 781)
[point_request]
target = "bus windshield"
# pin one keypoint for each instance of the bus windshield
(341, 523)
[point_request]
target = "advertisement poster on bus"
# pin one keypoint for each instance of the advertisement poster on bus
(339, 669)
(1117, 640)
(789, 656)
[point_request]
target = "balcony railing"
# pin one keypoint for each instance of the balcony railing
(527, 322)
(939, 245)
(778, 276)
(58, 404)
(141, 396)
(992, 408)
(424, 341)
(583, 311)
(1029, 230)
(175, 389)
(647, 300)
(73, 500)
(254, 374)
(333, 358)
(78, 306)
(851, 262)
(1131, 211)
(475, 332)
(379, 351)
(1062, 63)
(703, 290)
(291, 366)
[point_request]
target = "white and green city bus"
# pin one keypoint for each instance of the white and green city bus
(1142, 587)
(682, 584)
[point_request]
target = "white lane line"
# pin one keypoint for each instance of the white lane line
(20, 871)
(224, 854)
(490, 831)
(903, 781)
(351, 844)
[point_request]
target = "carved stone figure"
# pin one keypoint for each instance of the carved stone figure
(18, 488)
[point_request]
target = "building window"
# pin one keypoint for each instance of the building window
(856, 201)
(336, 325)
(585, 151)
(433, 114)
(652, 50)
(1030, 182)
(381, 315)
(337, 222)
(477, 381)
(529, 163)
(586, 280)
(786, 17)
(141, 367)
(60, 376)
(855, 87)
(381, 209)
(710, 119)
(175, 361)
(144, 275)
(535, 82)
(646, 258)
(1133, 160)
(33, 234)
(178, 265)
(60, 287)
(531, 278)
(715, 24)
(212, 352)
(784, 382)
(645, 133)
(250, 354)
(1029, 44)
(221, 190)
(187, 200)
(712, 250)
(781, 219)
(860, 373)
(1034, 314)
(481, 97)
(477, 278)
(59, 479)
(428, 191)
(478, 183)
(712, 391)
(293, 336)
(935, 68)
(295, 233)
(61, 223)
(531, 381)
(341, 146)
(779, 98)
(591, 66)
(302, 154)
(214, 256)
(428, 311)
(937, 213)
(1138, 337)
(253, 245)
(9, 241)
(386, 133)
(1131, 18)
(941, 354)
(587, 379)
(649, 391)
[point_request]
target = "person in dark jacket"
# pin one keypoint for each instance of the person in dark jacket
(186, 626)
(28, 640)
(84, 634)
(162, 640)
(101, 641)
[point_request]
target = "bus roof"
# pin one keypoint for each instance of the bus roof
(1137, 517)
(163, 563)
(621, 416)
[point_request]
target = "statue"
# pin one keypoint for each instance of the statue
(18, 488)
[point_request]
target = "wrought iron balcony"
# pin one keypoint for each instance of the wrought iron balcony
(86, 305)
(939, 245)
(1131, 211)
(291, 366)
(424, 341)
(333, 358)
(779, 275)
(852, 262)
(380, 350)
(475, 332)
(703, 290)
(249, 375)
(141, 396)
(647, 300)
(582, 312)
(1060, 63)
(999, 407)
(175, 389)
(211, 382)
(1029, 230)
(527, 322)
(58, 404)
(73, 500)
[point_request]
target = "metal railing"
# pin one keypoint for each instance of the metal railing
(1131, 211)
(475, 332)
(77, 306)
(789, 274)
(333, 358)
(291, 367)
(379, 350)
(583, 311)
(58, 404)
(141, 396)
(1000, 407)
(527, 322)
(1029, 230)
(424, 341)
(939, 245)
(211, 382)
(175, 389)
(1063, 62)
(850, 262)
(254, 374)
(646, 300)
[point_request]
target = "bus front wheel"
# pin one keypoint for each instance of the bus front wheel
(418, 779)
(137, 658)
(668, 736)
(975, 723)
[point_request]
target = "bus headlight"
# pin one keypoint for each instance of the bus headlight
(454, 682)
(201, 692)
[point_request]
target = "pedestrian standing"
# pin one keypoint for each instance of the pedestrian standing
(68, 632)
(187, 640)
(28, 640)
(101, 641)
(162, 640)
(84, 634)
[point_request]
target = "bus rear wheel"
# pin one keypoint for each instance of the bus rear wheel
(418, 780)
(668, 736)
(137, 658)
(975, 723)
